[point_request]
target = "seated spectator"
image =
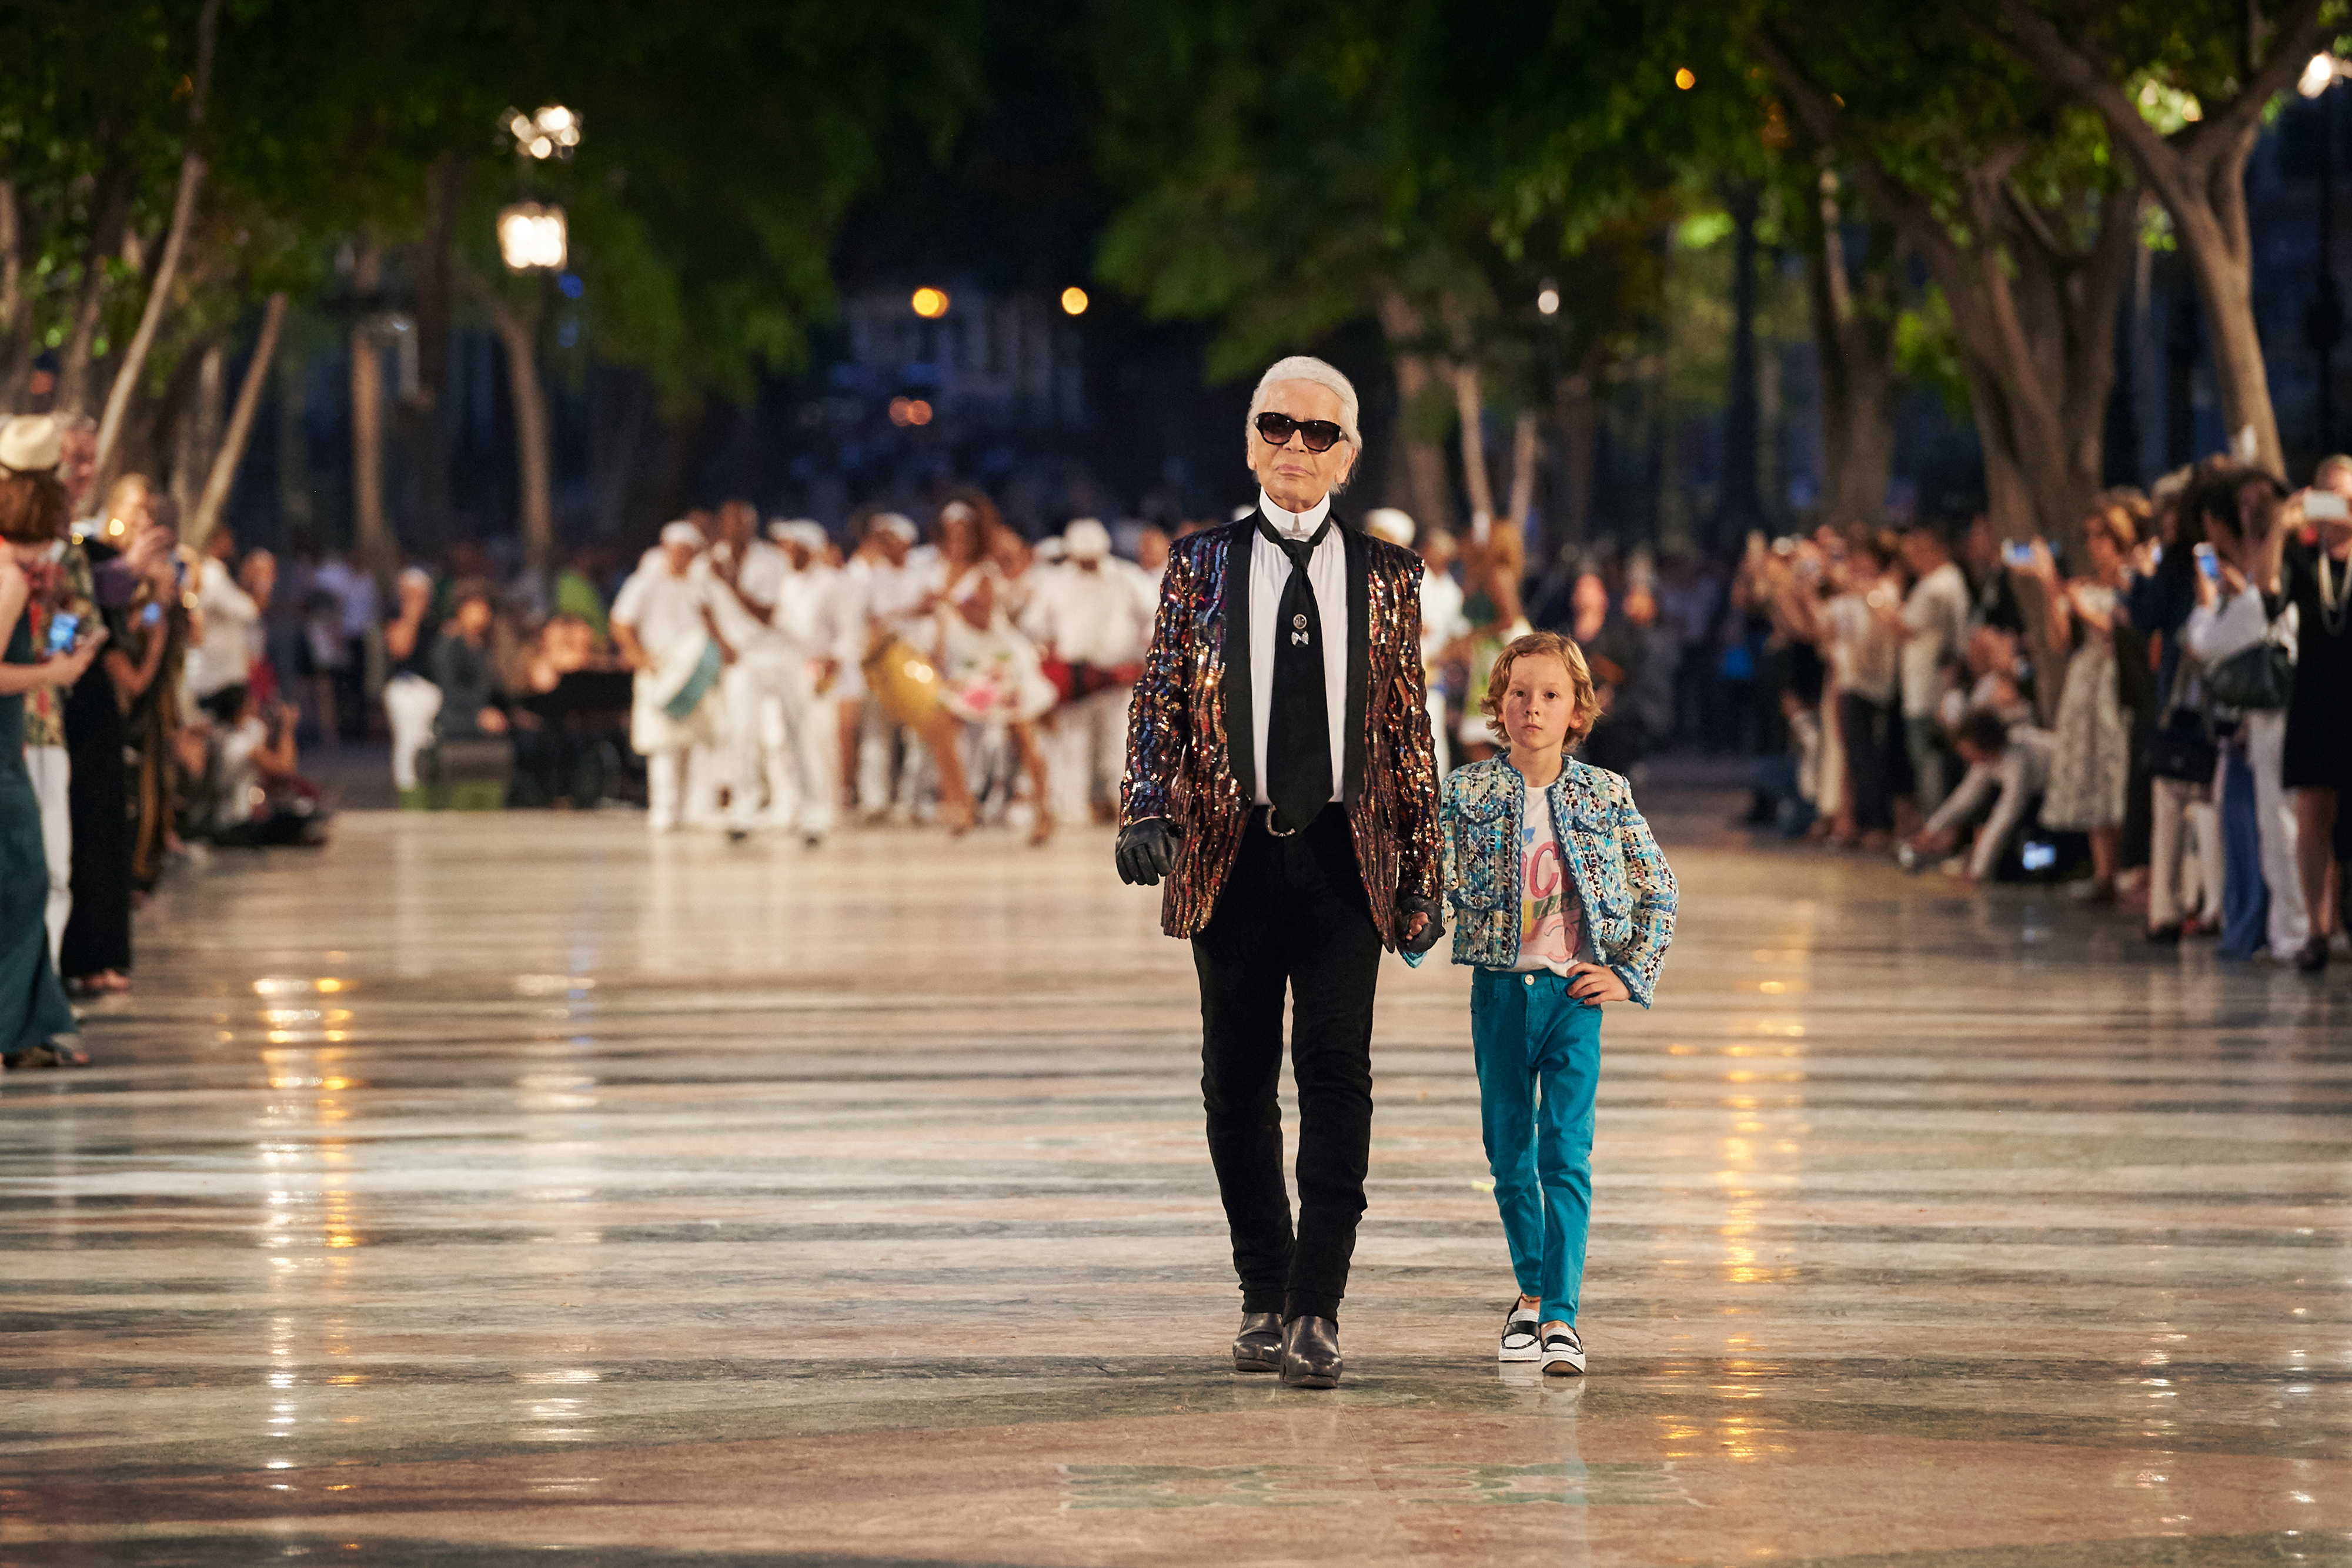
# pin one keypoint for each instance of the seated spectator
(257, 794)
(2008, 766)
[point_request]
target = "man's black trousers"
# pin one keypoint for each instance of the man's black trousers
(1292, 916)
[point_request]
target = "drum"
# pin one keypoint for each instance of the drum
(905, 683)
(684, 674)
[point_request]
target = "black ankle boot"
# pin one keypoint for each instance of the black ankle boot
(1258, 1347)
(1311, 1353)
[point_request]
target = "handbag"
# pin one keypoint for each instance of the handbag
(2183, 746)
(2258, 679)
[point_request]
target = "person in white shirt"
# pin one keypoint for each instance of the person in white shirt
(741, 577)
(1935, 620)
(1864, 627)
(661, 622)
(229, 609)
(1092, 617)
(2009, 763)
(805, 744)
(885, 594)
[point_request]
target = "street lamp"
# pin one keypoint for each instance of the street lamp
(1074, 301)
(532, 238)
(552, 132)
(931, 304)
(1548, 299)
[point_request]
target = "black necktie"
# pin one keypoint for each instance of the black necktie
(1298, 720)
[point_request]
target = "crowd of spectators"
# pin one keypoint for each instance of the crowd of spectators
(2157, 714)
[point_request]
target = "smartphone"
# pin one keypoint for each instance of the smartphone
(2209, 563)
(153, 613)
(63, 629)
(2017, 553)
(2324, 507)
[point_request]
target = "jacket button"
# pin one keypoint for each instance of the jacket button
(1531, 979)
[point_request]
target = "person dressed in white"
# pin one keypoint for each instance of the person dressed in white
(1093, 616)
(229, 610)
(2009, 762)
(803, 750)
(1443, 623)
(884, 590)
(990, 674)
(741, 577)
(661, 622)
(2230, 618)
(1935, 618)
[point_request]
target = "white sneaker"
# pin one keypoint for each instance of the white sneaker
(1521, 1341)
(1563, 1353)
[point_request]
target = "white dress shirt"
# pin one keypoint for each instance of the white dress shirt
(1326, 575)
(663, 608)
(762, 580)
(1101, 617)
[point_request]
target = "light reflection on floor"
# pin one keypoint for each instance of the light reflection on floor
(490, 1183)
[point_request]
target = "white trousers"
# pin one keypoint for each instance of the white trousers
(783, 746)
(1089, 747)
(877, 739)
(52, 771)
(2290, 924)
(2184, 859)
(679, 787)
(411, 702)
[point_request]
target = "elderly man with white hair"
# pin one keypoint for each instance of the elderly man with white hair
(1092, 620)
(1279, 777)
(661, 620)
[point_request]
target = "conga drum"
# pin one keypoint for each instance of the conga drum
(905, 683)
(685, 674)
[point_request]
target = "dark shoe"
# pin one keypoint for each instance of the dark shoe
(2313, 956)
(2163, 935)
(1258, 1347)
(1311, 1353)
(58, 1051)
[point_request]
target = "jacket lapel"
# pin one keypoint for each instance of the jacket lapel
(1359, 657)
(1240, 725)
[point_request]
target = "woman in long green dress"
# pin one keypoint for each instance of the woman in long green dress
(36, 1026)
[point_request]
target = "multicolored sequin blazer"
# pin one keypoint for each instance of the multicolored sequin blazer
(1190, 746)
(1626, 887)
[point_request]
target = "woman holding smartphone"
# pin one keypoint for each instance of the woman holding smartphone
(2316, 763)
(36, 1025)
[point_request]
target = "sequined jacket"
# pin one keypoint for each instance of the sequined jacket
(1190, 743)
(1626, 888)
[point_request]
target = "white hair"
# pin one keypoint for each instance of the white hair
(1306, 368)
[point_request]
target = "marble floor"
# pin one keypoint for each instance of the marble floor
(485, 1187)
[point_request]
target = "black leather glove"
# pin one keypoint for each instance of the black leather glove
(1407, 907)
(1147, 851)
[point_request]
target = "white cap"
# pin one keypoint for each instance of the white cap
(681, 532)
(1086, 540)
(804, 531)
(1389, 523)
(1053, 548)
(897, 523)
(29, 441)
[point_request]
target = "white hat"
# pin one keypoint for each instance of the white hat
(1389, 523)
(29, 441)
(804, 531)
(1086, 540)
(1052, 549)
(897, 523)
(682, 532)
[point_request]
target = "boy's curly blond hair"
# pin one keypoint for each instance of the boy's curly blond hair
(1580, 678)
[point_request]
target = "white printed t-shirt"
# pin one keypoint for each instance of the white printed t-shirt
(1551, 921)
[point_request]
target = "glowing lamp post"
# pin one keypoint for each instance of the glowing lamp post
(931, 304)
(532, 238)
(1074, 301)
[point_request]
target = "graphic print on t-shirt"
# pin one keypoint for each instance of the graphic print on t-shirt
(1547, 912)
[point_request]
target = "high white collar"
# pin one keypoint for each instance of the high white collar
(1294, 525)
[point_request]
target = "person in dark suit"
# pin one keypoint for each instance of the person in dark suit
(1280, 778)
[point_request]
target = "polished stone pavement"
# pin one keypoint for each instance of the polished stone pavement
(492, 1185)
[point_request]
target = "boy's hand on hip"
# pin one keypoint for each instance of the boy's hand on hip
(1596, 984)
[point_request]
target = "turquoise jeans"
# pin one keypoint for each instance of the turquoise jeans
(1538, 1055)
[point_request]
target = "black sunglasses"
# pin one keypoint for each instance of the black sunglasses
(1276, 429)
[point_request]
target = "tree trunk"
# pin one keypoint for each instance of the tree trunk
(531, 435)
(19, 344)
(134, 364)
(372, 539)
(110, 221)
(1523, 453)
(1579, 429)
(1854, 334)
(2036, 320)
(1470, 412)
(2199, 175)
(1737, 507)
(1432, 501)
(426, 415)
(231, 452)
(198, 432)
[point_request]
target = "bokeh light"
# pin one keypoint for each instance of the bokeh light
(931, 304)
